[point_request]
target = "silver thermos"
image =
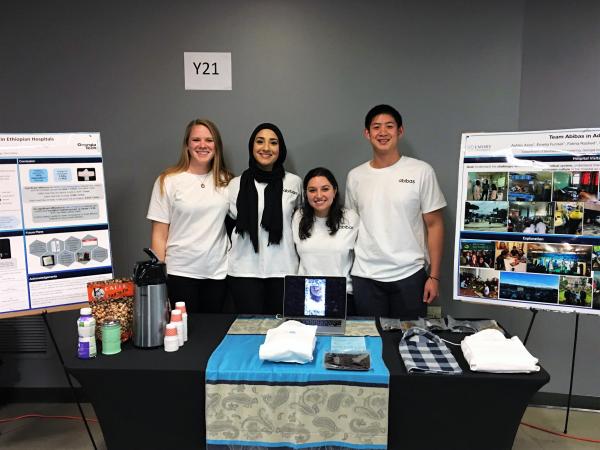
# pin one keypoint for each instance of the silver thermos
(151, 304)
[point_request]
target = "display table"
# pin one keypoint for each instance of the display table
(144, 398)
(469, 411)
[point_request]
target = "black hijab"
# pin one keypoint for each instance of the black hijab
(247, 200)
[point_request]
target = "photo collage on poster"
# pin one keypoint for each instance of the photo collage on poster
(554, 208)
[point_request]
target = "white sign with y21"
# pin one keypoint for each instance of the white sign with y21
(207, 71)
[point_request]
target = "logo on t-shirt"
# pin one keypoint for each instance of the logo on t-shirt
(289, 191)
(406, 180)
(346, 227)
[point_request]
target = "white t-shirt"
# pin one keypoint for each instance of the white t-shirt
(275, 260)
(323, 254)
(291, 342)
(391, 202)
(197, 241)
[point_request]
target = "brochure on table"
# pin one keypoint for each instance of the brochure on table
(54, 235)
(528, 220)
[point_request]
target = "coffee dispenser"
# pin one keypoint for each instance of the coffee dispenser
(151, 305)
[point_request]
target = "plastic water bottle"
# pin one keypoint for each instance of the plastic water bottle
(86, 328)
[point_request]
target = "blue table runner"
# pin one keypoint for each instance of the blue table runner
(253, 404)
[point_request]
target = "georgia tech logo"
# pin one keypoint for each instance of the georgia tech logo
(406, 180)
(88, 146)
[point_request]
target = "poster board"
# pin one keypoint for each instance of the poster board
(54, 234)
(528, 220)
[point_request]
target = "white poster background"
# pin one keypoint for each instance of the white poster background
(564, 154)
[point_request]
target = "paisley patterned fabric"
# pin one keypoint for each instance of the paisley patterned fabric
(252, 404)
(261, 325)
(323, 415)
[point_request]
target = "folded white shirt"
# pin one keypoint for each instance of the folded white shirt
(490, 351)
(291, 341)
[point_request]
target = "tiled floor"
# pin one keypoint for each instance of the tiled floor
(49, 434)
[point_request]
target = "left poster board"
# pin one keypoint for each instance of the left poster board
(54, 233)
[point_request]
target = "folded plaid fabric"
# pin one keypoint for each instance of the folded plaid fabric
(423, 351)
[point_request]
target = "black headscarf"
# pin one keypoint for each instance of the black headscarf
(247, 200)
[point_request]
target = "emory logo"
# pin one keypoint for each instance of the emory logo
(289, 191)
(406, 180)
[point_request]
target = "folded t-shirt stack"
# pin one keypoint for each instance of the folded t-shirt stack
(291, 341)
(491, 351)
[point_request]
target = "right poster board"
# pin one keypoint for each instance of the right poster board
(528, 220)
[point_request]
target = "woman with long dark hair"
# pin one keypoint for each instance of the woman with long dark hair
(262, 201)
(325, 232)
(188, 209)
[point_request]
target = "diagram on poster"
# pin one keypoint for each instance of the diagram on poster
(528, 220)
(54, 234)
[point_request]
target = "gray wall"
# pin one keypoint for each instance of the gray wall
(314, 68)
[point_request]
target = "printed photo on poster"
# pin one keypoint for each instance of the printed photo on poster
(575, 186)
(511, 256)
(591, 218)
(530, 217)
(596, 257)
(486, 186)
(568, 218)
(485, 216)
(529, 287)
(478, 282)
(596, 291)
(530, 186)
(5, 252)
(477, 254)
(575, 291)
(561, 259)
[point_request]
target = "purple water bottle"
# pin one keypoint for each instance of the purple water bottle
(86, 328)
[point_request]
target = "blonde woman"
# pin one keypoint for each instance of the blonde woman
(188, 209)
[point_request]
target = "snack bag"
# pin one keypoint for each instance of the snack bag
(112, 300)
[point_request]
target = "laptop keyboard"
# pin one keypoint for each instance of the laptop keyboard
(322, 322)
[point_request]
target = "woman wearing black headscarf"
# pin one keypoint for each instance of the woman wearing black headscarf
(262, 202)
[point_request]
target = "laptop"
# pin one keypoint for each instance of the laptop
(316, 300)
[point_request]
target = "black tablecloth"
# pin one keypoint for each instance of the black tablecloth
(468, 411)
(147, 398)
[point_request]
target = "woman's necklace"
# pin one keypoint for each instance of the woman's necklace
(202, 185)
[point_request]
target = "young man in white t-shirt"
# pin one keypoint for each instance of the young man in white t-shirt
(396, 270)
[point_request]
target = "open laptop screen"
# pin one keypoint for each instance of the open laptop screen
(313, 296)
